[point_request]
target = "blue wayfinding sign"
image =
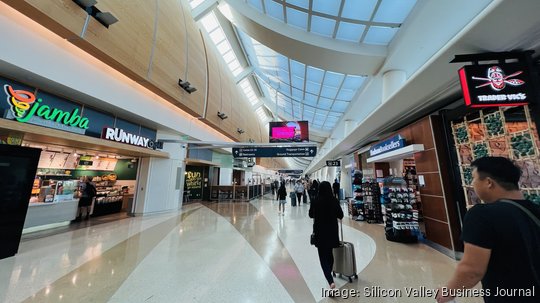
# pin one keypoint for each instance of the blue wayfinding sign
(391, 144)
(269, 152)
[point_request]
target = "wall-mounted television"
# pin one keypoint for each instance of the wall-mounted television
(289, 131)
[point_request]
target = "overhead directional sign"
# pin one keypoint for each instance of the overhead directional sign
(290, 171)
(274, 152)
(333, 163)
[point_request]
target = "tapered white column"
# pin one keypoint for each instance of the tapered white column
(393, 80)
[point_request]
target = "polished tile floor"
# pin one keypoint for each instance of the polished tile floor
(227, 252)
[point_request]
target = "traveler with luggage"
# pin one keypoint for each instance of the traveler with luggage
(299, 190)
(282, 198)
(325, 210)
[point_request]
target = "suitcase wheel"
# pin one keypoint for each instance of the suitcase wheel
(334, 274)
(350, 279)
(356, 277)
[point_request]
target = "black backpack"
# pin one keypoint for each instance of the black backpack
(90, 190)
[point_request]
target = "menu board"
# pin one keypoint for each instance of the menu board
(71, 162)
(46, 158)
(59, 160)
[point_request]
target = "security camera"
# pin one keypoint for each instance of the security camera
(183, 146)
(183, 83)
(190, 89)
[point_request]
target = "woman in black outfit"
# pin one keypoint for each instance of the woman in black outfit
(326, 211)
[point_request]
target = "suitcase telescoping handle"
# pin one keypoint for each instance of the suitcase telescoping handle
(341, 227)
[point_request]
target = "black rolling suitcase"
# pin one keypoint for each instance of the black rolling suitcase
(344, 259)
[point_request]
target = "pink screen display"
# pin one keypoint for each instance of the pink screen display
(283, 132)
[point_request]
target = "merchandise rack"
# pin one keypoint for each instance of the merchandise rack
(400, 217)
(372, 201)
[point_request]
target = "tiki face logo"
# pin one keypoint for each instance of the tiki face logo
(498, 80)
(19, 100)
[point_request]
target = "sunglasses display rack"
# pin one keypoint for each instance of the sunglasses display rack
(400, 216)
(372, 201)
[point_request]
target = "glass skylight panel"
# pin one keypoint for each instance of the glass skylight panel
(313, 87)
(217, 35)
(297, 82)
(283, 75)
(300, 3)
(297, 18)
(329, 124)
(274, 9)
(322, 26)
(329, 92)
(340, 106)
(223, 47)
(350, 31)
(311, 97)
(195, 3)
(283, 62)
(353, 82)
(234, 65)
(311, 101)
(257, 4)
(394, 11)
(333, 79)
(358, 9)
(297, 94)
(327, 7)
(229, 56)
(298, 68)
(332, 119)
(210, 22)
(325, 103)
(315, 74)
(380, 35)
(345, 94)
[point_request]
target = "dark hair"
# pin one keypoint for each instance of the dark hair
(500, 169)
(325, 191)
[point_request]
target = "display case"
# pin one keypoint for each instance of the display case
(109, 197)
(52, 203)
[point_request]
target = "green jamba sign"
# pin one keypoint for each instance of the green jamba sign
(24, 106)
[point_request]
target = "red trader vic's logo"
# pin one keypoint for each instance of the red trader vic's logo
(498, 80)
(24, 106)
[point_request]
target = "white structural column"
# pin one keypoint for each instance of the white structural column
(225, 176)
(161, 181)
(393, 80)
(349, 126)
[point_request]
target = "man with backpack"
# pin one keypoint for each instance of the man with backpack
(87, 193)
(502, 239)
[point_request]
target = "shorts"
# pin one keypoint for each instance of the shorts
(283, 201)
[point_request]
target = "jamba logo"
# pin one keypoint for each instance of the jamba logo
(19, 100)
(24, 106)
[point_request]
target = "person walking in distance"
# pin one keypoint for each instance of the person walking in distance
(502, 239)
(299, 190)
(325, 210)
(276, 186)
(335, 188)
(282, 198)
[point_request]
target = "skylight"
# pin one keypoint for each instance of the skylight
(211, 25)
(347, 20)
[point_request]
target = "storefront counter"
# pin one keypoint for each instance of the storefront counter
(47, 215)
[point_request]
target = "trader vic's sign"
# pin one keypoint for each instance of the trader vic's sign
(120, 135)
(391, 144)
(495, 85)
(25, 108)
